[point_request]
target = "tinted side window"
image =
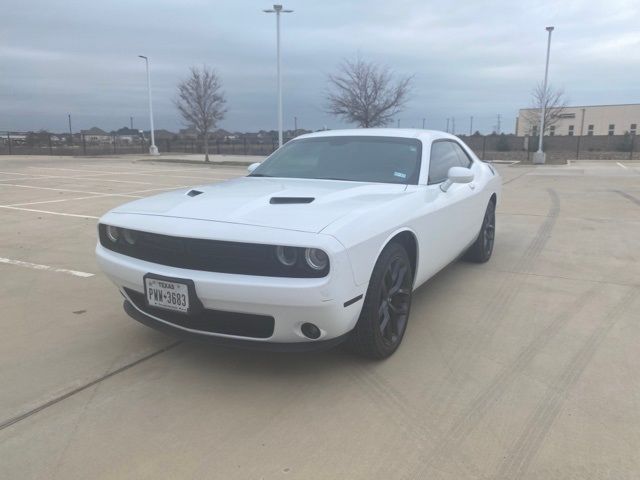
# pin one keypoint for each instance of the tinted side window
(443, 157)
(463, 158)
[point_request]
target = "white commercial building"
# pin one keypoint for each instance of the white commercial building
(583, 120)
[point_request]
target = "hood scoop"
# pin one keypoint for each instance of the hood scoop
(193, 193)
(290, 200)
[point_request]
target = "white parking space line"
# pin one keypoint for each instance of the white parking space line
(36, 176)
(66, 190)
(36, 266)
(89, 177)
(149, 168)
(48, 212)
(63, 200)
(157, 174)
(623, 166)
(178, 187)
(81, 177)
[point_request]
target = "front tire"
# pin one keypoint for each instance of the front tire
(385, 312)
(482, 248)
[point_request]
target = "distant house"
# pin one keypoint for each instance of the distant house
(163, 134)
(189, 133)
(126, 135)
(96, 135)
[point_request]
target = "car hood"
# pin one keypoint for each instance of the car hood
(250, 201)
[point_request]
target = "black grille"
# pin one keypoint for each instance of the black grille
(207, 255)
(213, 321)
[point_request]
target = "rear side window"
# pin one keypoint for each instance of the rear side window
(443, 157)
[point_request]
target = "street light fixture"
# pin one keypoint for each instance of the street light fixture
(539, 156)
(277, 9)
(153, 150)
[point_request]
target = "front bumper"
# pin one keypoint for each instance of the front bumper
(290, 301)
(308, 346)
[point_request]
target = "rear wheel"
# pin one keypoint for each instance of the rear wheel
(482, 248)
(385, 312)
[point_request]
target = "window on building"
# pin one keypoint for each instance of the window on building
(571, 130)
(634, 127)
(612, 129)
(552, 130)
(590, 130)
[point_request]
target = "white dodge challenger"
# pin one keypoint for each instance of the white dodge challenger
(323, 242)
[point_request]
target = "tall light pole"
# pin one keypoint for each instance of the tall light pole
(539, 156)
(277, 9)
(153, 150)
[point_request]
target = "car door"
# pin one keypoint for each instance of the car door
(477, 207)
(448, 224)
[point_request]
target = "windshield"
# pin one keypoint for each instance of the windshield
(351, 158)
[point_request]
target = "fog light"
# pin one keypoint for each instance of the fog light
(113, 233)
(310, 331)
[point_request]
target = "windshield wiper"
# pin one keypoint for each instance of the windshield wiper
(260, 175)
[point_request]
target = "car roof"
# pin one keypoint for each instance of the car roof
(424, 135)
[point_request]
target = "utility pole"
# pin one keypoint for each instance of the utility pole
(471, 125)
(131, 121)
(453, 125)
(70, 131)
(398, 123)
(423, 122)
(447, 125)
(539, 156)
(295, 125)
(498, 125)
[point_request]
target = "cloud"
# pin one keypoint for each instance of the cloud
(469, 58)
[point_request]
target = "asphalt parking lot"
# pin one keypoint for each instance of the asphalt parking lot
(525, 367)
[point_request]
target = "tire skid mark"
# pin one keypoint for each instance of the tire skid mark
(629, 197)
(469, 420)
(495, 310)
(385, 395)
(519, 458)
(382, 393)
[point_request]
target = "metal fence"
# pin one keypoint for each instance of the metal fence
(487, 147)
(44, 143)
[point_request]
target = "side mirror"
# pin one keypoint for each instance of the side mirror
(457, 175)
(252, 167)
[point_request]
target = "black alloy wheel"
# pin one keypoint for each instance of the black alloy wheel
(482, 248)
(385, 312)
(394, 300)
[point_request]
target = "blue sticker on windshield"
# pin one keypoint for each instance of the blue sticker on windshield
(400, 174)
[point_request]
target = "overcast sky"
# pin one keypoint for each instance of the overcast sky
(469, 57)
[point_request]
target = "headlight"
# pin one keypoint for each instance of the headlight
(316, 258)
(129, 236)
(113, 233)
(287, 255)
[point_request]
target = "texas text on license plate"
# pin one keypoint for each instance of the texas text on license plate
(166, 294)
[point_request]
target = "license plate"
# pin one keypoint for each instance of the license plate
(166, 294)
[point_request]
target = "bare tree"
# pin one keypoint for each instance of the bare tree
(366, 93)
(554, 101)
(201, 102)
